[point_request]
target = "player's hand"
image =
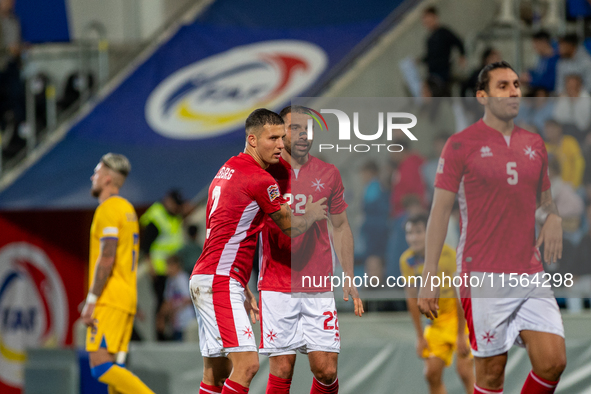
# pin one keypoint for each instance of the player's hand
(250, 304)
(316, 210)
(422, 345)
(551, 237)
(462, 346)
(350, 289)
(86, 315)
(428, 301)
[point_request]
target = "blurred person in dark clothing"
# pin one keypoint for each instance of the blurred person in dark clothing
(440, 43)
(544, 75)
(191, 250)
(489, 55)
(574, 59)
(12, 88)
(374, 229)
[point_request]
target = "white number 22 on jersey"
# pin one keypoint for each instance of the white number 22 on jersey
(512, 180)
(301, 202)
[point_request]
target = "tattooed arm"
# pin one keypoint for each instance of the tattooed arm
(551, 234)
(102, 272)
(293, 226)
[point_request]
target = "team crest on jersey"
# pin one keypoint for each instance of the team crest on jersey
(530, 152)
(485, 151)
(440, 165)
(273, 192)
(318, 185)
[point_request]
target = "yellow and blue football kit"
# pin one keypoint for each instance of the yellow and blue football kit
(115, 218)
(442, 334)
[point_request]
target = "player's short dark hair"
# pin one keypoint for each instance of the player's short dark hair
(259, 118)
(296, 109)
(484, 75)
(541, 35)
(417, 219)
(431, 10)
(176, 196)
(570, 38)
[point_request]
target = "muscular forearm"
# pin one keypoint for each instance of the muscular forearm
(343, 240)
(102, 272)
(546, 206)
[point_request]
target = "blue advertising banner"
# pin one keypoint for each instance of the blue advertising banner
(180, 115)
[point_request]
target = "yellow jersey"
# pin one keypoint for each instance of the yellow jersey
(411, 265)
(116, 218)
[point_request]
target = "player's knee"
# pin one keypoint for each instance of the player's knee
(553, 368)
(251, 369)
(284, 370)
(433, 376)
(465, 371)
(326, 375)
(494, 375)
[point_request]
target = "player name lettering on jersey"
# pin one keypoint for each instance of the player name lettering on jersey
(225, 173)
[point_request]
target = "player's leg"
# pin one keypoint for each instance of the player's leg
(490, 374)
(244, 366)
(281, 335)
(434, 375)
(324, 367)
(112, 334)
(547, 354)
(215, 371)
(280, 373)
(465, 370)
(320, 327)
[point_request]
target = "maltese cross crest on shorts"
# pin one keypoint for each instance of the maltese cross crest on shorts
(530, 152)
(488, 337)
(319, 186)
(247, 332)
(271, 336)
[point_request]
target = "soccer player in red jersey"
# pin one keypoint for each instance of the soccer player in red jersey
(239, 197)
(500, 175)
(299, 315)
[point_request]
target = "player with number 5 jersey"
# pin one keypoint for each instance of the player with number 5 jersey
(499, 173)
(240, 196)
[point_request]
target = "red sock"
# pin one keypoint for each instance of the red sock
(277, 385)
(231, 387)
(478, 390)
(537, 385)
(321, 388)
(207, 389)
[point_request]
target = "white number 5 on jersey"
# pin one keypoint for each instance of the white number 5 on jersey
(512, 180)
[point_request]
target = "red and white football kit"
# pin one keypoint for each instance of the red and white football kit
(497, 181)
(239, 197)
(298, 313)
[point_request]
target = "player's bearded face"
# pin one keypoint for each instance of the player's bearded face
(270, 143)
(504, 94)
(97, 180)
(300, 145)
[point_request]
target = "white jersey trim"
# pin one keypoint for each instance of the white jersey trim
(463, 232)
(231, 248)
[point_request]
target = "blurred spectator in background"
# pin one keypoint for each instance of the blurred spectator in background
(191, 250)
(587, 175)
(406, 177)
(573, 108)
(568, 152)
(12, 88)
(429, 169)
(535, 110)
(177, 308)
(162, 224)
(574, 59)
(376, 211)
(569, 203)
(440, 43)
(489, 55)
(413, 205)
(544, 75)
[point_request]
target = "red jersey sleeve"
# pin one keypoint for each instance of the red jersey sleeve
(265, 192)
(451, 166)
(544, 178)
(337, 203)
